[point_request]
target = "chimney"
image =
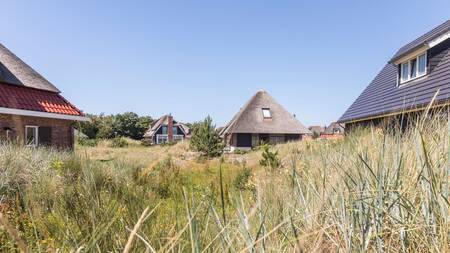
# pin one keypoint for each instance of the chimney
(170, 127)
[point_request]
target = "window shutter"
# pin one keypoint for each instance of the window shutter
(45, 136)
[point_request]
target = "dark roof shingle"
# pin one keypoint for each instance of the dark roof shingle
(436, 32)
(384, 96)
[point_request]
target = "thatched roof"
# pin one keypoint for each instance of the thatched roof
(250, 118)
(164, 120)
(335, 126)
(14, 71)
(317, 129)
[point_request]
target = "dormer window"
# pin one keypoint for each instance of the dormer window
(413, 68)
(266, 113)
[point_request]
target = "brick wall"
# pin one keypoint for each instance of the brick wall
(61, 133)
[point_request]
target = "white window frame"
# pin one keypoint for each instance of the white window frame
(36, 140)
(178, 137)
(269, 116)
(418, 75)
(162, 138)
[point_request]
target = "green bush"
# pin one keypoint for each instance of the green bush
(87, 142)
(146, 142)
(270, 159)
(119, 142)
(242, 180)
(127, 124)
(205, 139)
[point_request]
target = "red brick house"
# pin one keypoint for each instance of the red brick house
(32, 111)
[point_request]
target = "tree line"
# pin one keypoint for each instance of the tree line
(127, 124)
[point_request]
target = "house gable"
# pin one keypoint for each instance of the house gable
(386, 96)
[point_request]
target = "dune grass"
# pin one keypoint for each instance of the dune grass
(372, 191)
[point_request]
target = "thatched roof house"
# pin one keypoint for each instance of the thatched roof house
(317, 130)
(262, 119)
(166, 130)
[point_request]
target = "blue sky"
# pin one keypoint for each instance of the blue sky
(194, 58)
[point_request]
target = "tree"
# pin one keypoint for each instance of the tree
(90, 128)
(269, 158)
(205, 139)
(127, 124)
(143, 125)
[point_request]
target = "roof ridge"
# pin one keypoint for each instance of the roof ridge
(423, 38)
(22, 73)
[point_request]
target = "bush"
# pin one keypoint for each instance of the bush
(146, 142)
(119, 142)
(269, 158)
(87, 142)
(127, 124)
(205, 139)
(242, 180)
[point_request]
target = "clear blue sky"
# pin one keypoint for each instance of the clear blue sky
(194, 58)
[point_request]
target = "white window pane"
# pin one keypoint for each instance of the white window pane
(413, 72)
(422, 64)
(405, 72)
(31, 136)
(266, 113)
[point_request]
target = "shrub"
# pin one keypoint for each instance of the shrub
(127, 124)
(119, 142)
(269, 158)
(146, 142)
(242, 180)
(205, 139)
(87, 142)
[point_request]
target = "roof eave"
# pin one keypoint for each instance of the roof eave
(12, 111)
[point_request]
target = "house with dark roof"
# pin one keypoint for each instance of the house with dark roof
(32, 110)
(407, 84)
(262, 120)
(333, 131)
(166, 130)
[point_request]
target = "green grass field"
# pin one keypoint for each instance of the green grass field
(372, 191)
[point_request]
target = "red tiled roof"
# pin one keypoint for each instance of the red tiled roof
(23, 98)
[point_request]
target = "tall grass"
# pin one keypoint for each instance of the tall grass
(374, 190)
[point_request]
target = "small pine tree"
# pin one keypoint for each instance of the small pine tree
(269, 158)
(205, 139)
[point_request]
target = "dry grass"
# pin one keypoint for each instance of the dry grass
(372, 191)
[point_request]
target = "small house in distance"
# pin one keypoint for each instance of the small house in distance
(316, 130)
(262, 120)
(32, 110)
(166, 130)
(333, 131)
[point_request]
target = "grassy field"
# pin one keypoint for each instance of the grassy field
(372, 191)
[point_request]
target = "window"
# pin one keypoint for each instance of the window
(45, 136)
(413, 68)
(164, 129)
(175, 130)
(336, 131)
(31, 136)
(160, 139)
(422, 64)
(266, 113)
